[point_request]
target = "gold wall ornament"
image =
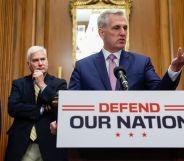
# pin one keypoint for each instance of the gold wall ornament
(89, 2)
(86, 40)
(83, 2)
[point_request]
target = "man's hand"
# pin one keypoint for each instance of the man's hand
(178, 62)
(55, 102)
(39, 78)
(47, 108)
(53, 127)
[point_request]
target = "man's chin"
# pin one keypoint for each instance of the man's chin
(43, 70)
(121, 47)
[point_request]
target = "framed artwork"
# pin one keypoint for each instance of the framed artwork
(86, 40)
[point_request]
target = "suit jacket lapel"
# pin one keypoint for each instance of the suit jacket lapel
(124, 62)
(47, 78)
(29, 88)
(102, 70)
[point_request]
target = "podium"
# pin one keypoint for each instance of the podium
(121, 125)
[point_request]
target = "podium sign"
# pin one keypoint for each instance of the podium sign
(120, 119)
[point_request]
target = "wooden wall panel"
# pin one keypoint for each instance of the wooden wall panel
(165, 53)
(6, 50)
(24, 37)
(18, 38)
(176, 12)
(40, 22)
(145, 30)
(59, 40)
(28, 30)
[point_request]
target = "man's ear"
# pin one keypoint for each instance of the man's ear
(101, 32)
(28, 63)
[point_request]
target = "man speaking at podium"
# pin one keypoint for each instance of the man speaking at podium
(95, 72)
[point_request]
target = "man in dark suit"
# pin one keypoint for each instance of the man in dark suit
(31, 105)
(92, 72)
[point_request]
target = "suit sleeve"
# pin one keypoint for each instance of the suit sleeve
(48, 96)
(75, 80)
(19, 107)
(153, 81)
(168, 84)
(51, 90)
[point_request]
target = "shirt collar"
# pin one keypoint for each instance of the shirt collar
(107, 53)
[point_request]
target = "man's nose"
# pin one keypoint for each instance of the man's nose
(40, 62)
(123, 31)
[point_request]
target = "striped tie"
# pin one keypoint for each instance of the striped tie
(33, 134)
(37, 89)
(112, 65)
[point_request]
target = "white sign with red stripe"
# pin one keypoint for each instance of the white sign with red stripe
(120, 119)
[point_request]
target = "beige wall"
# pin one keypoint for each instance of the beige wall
(156, 30)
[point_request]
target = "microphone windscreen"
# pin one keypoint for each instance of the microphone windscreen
(117, 70)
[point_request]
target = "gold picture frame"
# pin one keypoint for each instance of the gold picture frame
(84, 13)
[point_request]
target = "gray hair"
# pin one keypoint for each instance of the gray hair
(34, 49)
(103, 18)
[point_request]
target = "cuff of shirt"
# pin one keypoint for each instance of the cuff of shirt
(41, 110)
(173, 75)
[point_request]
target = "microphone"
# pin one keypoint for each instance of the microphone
(120, 74)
